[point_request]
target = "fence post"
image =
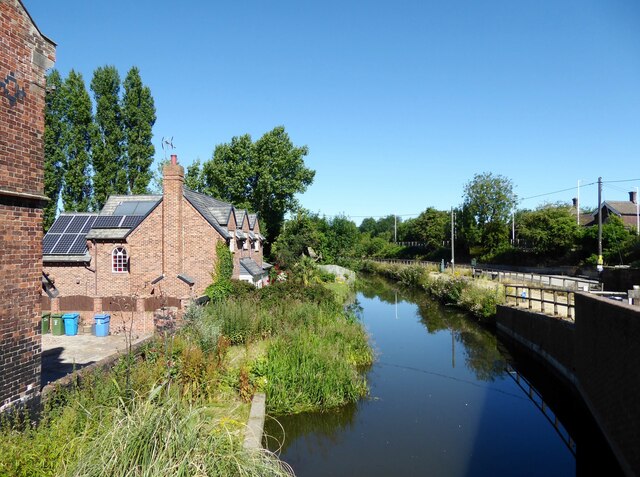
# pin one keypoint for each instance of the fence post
(542, 300)
(555, 302)
(569, 304)
(529, 295)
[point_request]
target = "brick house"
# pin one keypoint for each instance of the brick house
(142, 252)
(626, 210)
(25, 55)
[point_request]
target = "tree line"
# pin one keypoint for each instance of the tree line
(95, 149)
(483, 228)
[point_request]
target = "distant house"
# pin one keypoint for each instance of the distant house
(626, 210)
(145, 251)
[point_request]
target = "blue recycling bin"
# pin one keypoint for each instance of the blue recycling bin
(102, 324)
(71, 321)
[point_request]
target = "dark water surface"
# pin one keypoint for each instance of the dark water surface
(441, 404)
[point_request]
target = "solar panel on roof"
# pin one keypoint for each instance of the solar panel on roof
(144, 206)
(107, 222)
(79, 245)
(64, 244)
(61, 223)
(49, 241)
(131, 221)
(76, 224)
(89, 224)
(126, 208)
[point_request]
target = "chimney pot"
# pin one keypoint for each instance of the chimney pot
(174, 159)
(633, 196)
(575, 202)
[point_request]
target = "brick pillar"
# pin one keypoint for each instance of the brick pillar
(55, 305)
(97, 305)
(172, 184)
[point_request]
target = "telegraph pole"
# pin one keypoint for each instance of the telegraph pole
(453, 221)
(578, 204)
(600, 266)
(395, 228)
(513, 228)
(637, 213)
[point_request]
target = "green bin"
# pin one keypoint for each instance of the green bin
(46, 321)
(57, 324)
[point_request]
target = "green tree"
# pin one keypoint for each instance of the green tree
(193, 178)
(432, 227)
(76, 191)
(551, 230)
(139, 116)
(55, 136)
(263, 176)
(300, 232)
(342, 237)
(488, 202)
(109, 172)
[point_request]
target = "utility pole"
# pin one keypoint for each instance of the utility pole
(578, 204)
(453, 222)
(600, 265)
(395, 228)
(513, 227)
(637, 213)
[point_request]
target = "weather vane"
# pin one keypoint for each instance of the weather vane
(167, 144)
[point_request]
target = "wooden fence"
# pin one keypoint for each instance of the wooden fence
(560, 303)
(156, 302)
(76, 303)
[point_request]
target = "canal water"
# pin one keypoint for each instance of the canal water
(446, 399)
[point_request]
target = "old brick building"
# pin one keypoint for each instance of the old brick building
(146, 251)
(25, 55)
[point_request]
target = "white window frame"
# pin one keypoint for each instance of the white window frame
(119, 260)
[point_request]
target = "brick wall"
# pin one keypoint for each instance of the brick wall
(27, 54)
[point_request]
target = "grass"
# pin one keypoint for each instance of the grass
(180, 407)
(479, 297)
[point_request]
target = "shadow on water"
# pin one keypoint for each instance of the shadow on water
(441, 403)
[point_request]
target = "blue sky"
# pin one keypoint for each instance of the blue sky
(400, 103)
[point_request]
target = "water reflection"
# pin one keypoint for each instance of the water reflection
(440, 404)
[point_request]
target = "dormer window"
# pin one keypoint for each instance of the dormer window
(245, 244)
(119, 260)
(256, 245)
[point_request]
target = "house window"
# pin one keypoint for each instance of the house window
(231, 245)
(119, 262)
(245, 244)
(256, 245)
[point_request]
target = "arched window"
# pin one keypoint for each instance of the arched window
(119, 261)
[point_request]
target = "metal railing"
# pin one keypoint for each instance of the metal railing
(539, 402)
(544, 300)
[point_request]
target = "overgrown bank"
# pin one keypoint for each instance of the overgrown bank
(477, 296)
(180, 407)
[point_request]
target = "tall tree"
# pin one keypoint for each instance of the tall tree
(263, 176)
(431, 227)
(76, 191)
(55, 135)
(139, 114)
(488, 202)
(109, 174)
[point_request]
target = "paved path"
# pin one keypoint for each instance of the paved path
(62, 354)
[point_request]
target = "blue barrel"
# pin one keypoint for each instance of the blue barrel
(102, 324)
(71, 321)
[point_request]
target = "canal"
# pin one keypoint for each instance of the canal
(447, 398)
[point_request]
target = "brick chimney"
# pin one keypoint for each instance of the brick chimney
(575, 202)
(633, 196)
(172, 182)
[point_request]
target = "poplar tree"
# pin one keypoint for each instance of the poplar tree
(110, 176)
(55, 135)
(139, 115)
(76, 192)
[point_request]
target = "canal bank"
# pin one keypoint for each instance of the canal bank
(598, 355)
(442, 402)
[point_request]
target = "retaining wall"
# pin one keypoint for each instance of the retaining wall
(599, 355)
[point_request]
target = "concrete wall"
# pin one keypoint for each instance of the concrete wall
(599, 355)
(620, 279)
(608, 369)
(25, 54)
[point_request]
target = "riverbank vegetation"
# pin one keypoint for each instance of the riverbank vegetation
(478, 297)
(486, 228)
(179, 407)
